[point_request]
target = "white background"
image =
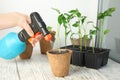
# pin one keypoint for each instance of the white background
(86, 7)
(112, 40)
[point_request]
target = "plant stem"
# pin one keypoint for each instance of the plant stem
(71, 32)
(101, 33)
(80, 37)
(93, 46)
(70, 28)
(85, 41)
(58, 34)
(65, 37)
(80, 42)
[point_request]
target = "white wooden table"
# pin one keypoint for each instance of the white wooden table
(38, 68)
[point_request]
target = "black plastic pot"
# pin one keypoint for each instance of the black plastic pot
(105, 57)
(105, 54)
(87, 58)
(77, 57)
(93, 60)
(98, 59)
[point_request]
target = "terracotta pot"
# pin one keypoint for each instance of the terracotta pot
(28, 52)
(45, 45)
(59, 62)
(76, 41)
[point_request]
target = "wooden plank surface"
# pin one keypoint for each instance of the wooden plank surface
(8, 70)
(111, 70)
(38, 68)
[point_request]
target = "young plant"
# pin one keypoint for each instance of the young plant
(101, 18)
(58, 27)
(78, 23)
(67, 24)
(92, 34)
(86, 36)
(64, 20)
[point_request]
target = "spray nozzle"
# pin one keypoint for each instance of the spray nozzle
(38, 26)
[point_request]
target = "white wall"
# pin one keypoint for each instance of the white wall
(86, 7)
(113, 23)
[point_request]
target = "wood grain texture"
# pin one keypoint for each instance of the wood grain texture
(38, 68)
(8, 70)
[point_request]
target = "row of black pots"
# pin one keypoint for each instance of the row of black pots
(87, 58)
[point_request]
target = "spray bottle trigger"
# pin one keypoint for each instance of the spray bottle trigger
(30, 39)
(48, 37)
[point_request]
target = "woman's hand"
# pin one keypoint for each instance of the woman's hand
(35, 39)
(18, 19)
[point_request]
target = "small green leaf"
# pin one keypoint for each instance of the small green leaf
(88, 22)
(64, 19)
(100, 16)
(109, 11)
(69, 16)
(106, 31)
(97, 28)
(76, 24)
(66, 14)
(68, 32)
(75, 12)
(58, 11)
(72, 11)
(49, 28)
(85, 37)
(61, 19)
(91, 37)
(93, 32)
(112, 9)
(65, 26)
(106, 13)
(78, 13)
(83, 19)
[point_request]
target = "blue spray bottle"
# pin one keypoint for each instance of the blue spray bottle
(13, 44)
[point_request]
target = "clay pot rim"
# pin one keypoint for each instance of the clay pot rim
(78, 39)
(68, 51)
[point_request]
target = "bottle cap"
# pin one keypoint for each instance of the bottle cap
(48, 37)
(30, 39)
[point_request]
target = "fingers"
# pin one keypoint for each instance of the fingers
(28, 19)
(28, 29)
(27, 26)
(39, 37)
(24, 21)
(36, 39)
